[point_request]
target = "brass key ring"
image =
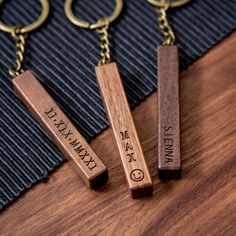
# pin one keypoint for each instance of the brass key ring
(161, 3)
(98, 24)
(34, 25)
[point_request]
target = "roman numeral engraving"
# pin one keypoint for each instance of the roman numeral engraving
(67, 134)
(122, 124)
(74, 143)
(90, 162)
(78, 147)
(59, 124)
(58, 127)
(51, 113)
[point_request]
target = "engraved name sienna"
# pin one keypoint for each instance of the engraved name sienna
(168, 142)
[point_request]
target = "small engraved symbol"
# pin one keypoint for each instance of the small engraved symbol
(69, 139)
(137, 175)
(54, 120)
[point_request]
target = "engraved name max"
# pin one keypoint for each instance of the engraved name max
(128, 146)
(135, 174)
(68, 135)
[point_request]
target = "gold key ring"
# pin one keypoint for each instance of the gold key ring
(34, 25)
(161, 3)
(98, 24)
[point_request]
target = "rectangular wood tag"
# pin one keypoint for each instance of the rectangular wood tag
(126, 137)
(61, 131)
(169, 157)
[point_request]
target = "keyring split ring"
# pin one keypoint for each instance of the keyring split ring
(160, 3)
(98, 24)
(34, 25)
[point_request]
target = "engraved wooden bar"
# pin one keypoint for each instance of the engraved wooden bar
(62, 132)
(125, 134)
(169, 157)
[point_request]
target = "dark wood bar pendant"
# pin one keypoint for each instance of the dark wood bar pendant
(126, 137)
(61, 131)
(169, 156)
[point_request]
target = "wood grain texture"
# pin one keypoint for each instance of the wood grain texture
(201, 203)
(169, 157)
(126, 138)
(61, 131)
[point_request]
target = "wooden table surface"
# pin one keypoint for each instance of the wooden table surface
(202, 203)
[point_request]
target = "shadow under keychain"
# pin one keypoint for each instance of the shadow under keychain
(169, 143)
(117, 107)
(44, 109)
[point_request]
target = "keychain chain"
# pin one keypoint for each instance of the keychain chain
(20, 35)
(162, 6)
(105, 49)
(20, 39)
(101, 27)
(165, 27)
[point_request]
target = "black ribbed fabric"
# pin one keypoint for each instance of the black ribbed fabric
(63, 56)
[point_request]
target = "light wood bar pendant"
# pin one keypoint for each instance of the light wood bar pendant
(59, 128)
(115, 101)
(55, 123)
(122, 124)
(169, 159)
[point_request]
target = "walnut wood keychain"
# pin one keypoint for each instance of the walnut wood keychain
(169, 145)
(55, 123)
(115, 101)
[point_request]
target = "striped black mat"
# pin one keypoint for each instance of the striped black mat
(63, 57)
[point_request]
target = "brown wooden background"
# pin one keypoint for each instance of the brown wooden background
(203, 202)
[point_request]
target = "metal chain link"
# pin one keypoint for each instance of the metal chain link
(105, 48)
(165, 27)
(20, 51)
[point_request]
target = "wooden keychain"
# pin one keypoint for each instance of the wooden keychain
(169, 143)
(115, 101)
(44, 109)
